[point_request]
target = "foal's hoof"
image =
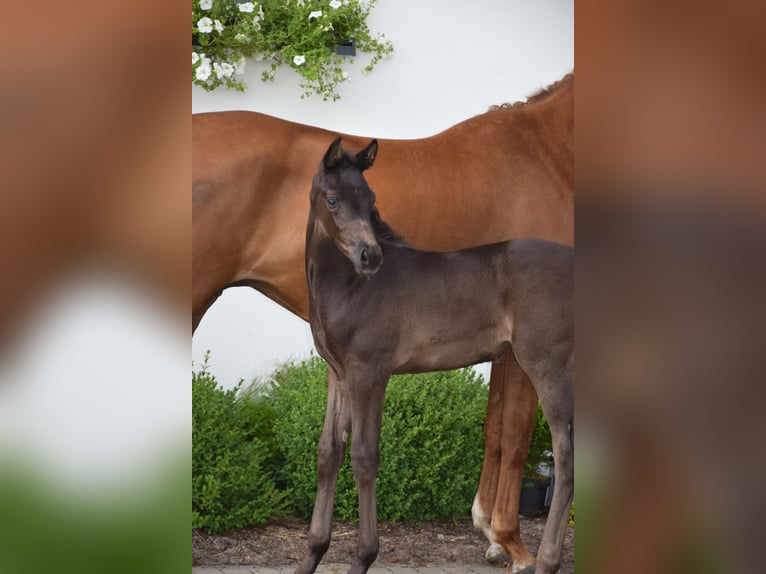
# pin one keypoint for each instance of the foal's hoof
(495, 555)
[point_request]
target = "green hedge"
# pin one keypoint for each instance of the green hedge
(431, 442)
(540, 445)
(255, 451)
(232, 466)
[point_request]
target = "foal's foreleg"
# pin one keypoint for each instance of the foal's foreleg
(367, 390)
(331, 452)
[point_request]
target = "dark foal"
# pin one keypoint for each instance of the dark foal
(379, 306)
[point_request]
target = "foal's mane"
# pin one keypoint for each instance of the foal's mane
(383, 230)
(538, 96)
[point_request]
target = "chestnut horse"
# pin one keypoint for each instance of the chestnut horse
(378, 306)
(506, 173)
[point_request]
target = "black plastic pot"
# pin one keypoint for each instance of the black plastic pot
(532, 500)
(348, 49)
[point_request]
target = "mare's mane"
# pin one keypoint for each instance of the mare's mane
(538, 96)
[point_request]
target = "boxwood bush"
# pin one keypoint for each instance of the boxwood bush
(233, 458)
(540, 445)
(431, 442)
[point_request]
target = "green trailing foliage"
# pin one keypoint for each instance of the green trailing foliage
(298, 34)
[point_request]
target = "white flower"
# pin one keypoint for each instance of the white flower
(256, 24)
(195, 58)
(345, 75)
(205, 25)
(205, 4)
(240, 37)
(300, 2)
(335, 4)
(239, 67)
(224, 70)
(298, 60)
(246, 7)
(218, 26)
(259, 16)
(315, 14)
(203, 71)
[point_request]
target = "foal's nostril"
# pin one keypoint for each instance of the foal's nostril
(369, 260)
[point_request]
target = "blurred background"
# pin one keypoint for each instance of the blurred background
(95, 223)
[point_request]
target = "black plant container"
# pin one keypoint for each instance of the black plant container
(345, 49)
(532, 500)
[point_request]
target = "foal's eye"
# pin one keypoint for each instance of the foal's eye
(331, 202)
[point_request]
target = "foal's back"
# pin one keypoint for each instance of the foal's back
(429, 311)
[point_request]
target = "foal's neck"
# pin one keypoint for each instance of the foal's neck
(323, 256)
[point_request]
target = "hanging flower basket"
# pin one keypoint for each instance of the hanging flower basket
(294, 33)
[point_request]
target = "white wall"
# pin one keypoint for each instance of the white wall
(452, 60)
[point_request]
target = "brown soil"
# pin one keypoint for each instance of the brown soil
(284, 542)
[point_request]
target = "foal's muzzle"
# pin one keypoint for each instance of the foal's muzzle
(369, 258)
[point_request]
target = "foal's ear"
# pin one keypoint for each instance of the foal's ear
(366, 157)
(333, 155)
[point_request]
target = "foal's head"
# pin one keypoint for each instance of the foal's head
(343, 202)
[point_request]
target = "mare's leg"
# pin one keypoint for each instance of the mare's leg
(366, 389)
(484, 501)
(200, 311)
(331, 452)
(510, 418)
(556, 396)
(519, 410)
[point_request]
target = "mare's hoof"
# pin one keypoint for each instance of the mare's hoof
(528, 570)
(495, 555)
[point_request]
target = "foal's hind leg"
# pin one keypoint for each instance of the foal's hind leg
(367, 388)
(331, 452)
(556, 396)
